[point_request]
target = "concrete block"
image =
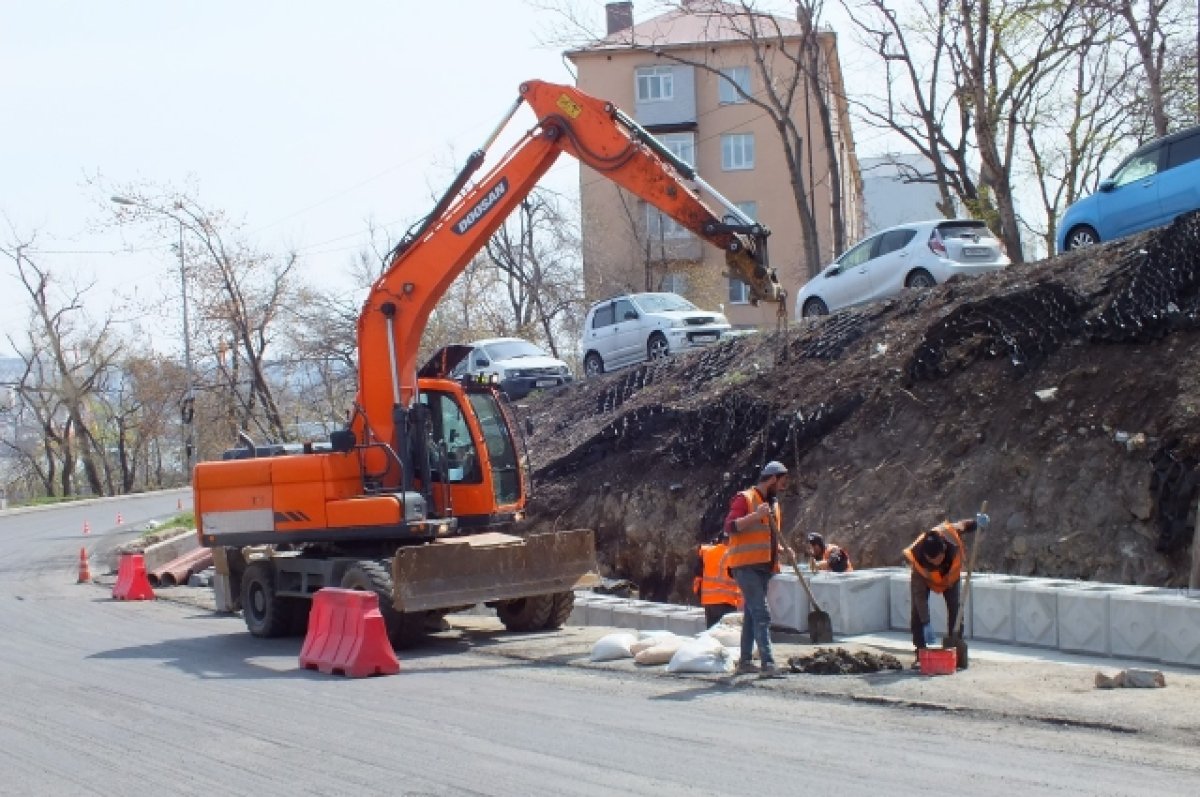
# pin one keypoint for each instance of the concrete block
(626, 616)
(990, 609)
(686, 622)
(857, 602)
(788, 602)
(1035, 613)
(221, 593)
(601, 608)
(1179, 631)
(158, 554)
(1083, 617)
(579, 612)
(654, 618)
(1133, 624)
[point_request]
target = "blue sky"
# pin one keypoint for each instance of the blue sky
(303, 119)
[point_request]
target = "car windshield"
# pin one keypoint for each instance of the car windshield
(660, 302)
(964, 229)
(511, 350)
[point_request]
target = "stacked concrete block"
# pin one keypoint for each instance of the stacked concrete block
(686, 622)
(579, 611)
(1083, 617)
(1035, 613)
(857, 602)
(788, 602)
(601, 609)
(1179, 630)
(990, 611)
(654, 617)
(627, 614)
(1133, 624)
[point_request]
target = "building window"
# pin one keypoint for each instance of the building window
(681, 145)
(655, 84)
(739, 292)
(737, 151)
(736, 76)
(674, 283)
(659, 225)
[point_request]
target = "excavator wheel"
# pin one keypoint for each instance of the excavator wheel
(564, 602)
(526, 614)
(404, 630)
(265, 613)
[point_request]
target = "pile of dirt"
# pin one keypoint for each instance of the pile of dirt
(1063, 392)
(839, 661)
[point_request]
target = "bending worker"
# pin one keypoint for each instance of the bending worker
(755, 549)
(713, 585)
(827, 557)
(936, 559)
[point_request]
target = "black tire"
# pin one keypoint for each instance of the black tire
(814, 307)
(564, 602)
(526, 614)
(367, 575)
(265, 613)
(920, 279)
(592, 364)
(657, 347)
(1079, 237)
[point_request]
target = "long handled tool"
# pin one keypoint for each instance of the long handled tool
(820, 626)
(960, 644)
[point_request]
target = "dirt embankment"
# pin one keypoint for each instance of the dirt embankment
(1065, 393)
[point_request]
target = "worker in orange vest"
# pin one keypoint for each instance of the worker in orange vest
(936, 558)
(755, 549)
(827, 557)
(716, 589)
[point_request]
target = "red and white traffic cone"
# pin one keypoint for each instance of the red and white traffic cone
(119, 520)
(86, 528)
(85, 571)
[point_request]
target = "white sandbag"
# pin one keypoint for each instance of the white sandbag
(613, 646)
(703, 654)
(660, 653)
(648, 639)
(728, 636)
(731, 620)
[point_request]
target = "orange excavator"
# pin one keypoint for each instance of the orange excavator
(418, 498)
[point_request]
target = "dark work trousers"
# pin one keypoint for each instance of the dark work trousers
(715, 611)
(919, 589)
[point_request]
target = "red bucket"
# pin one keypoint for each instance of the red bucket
(937, 662)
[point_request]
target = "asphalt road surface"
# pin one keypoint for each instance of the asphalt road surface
(113, 698)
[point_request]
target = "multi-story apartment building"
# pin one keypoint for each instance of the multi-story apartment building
(676, 74)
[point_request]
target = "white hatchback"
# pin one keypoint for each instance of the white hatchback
(636, 327)
(917, 255)
(519, 366)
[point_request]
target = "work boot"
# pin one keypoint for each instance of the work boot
(770, 671)
(745, 667)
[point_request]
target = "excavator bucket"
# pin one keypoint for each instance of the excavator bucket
(762, 281)
(462, 571)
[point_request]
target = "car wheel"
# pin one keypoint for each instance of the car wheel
(592, 364)
(814, 307)
(920, 279)
(1080, 237)
(657, 347)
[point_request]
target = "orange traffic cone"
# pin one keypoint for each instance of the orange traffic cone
(178, 504)
(85, 572)
(86, 528)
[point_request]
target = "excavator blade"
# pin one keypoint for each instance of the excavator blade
(489, 567)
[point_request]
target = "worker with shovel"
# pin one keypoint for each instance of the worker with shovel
(755, 550)
(936, 559)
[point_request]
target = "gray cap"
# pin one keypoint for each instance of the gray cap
(773, 468)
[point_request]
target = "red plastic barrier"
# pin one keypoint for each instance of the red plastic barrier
(347, 635)
(132, 583)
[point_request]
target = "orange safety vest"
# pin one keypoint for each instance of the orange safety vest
(754, 544)
(937, 580)
(716, 587)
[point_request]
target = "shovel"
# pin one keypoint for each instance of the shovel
(956, 639)
(820, 627)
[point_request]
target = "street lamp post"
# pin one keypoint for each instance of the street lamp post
(187, 406)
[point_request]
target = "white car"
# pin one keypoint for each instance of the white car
(635, 327)
(518, 365)
(917, 255)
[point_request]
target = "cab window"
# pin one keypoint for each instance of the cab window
(1137, 168)
(451, 431)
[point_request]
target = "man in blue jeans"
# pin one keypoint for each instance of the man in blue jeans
(754, 552)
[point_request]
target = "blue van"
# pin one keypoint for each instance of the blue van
(1158, 182)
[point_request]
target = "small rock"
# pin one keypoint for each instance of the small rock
(1131, 679)
(1048, 394)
